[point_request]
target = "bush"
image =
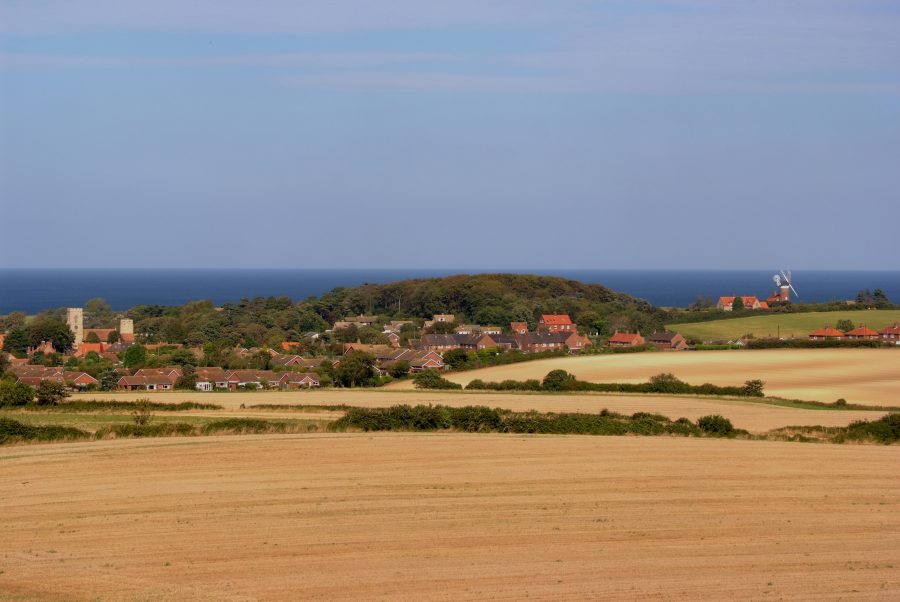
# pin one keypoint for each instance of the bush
(716, 425)
(884, 430)
(559, 380)
(432, 379)
(51, 392)
(142, 414)
(754, 388)
(244, 425)
(15, 394)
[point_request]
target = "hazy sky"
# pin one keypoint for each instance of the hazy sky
(465, 133)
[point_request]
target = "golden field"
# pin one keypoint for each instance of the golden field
(870, 376)
(448, 516)
(749, 415)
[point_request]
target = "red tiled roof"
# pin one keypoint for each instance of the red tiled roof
(556, 319)
(862, 331)
(895, 329)
(827, 332)
(624, 337)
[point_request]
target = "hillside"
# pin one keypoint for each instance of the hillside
(785, 324)
(494, 299)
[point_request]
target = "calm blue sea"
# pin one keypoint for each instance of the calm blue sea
(32, 290)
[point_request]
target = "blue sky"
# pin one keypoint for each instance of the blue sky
(477, 133)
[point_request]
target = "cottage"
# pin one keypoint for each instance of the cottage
(826, 333)
(556, 323)
(668, 341)
(438, 342)
(626, 339)
(891, 334)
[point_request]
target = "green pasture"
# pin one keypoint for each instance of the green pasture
(785, 325)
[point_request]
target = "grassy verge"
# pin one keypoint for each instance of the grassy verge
(105, 405)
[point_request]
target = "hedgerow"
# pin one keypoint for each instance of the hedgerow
(560, 380)
(487, 420)
(12, 431)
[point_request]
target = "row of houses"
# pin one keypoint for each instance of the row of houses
(889, 334)
(209, 379)
(33, 375)
(664, 340)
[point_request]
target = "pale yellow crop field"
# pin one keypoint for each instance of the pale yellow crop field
(450, 517)
(858, 375)
(751, 416)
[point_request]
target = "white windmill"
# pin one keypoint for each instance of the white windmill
(784, 282)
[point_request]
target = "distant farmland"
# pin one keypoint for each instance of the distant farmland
(796, 325)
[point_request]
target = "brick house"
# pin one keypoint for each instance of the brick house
(556, 323)
(535, 342)
(626, 339)
(668, 341)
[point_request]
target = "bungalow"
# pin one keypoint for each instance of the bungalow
(750, 302)
(34, 375)
(826, 333)
(862, 333)
(668, 341)
(556, 323)
(251, 378)
(891, 334)
(173, 373)
(626, 339)
(298, 380)
(145, 383)
(211, 378)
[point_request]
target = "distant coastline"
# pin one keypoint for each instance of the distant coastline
(32, 290)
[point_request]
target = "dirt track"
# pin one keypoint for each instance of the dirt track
(754, 417)
(449, 516)
(858, 375)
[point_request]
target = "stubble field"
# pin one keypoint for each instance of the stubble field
(870, 376)
(448, 516)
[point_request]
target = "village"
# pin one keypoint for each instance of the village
(406, 347)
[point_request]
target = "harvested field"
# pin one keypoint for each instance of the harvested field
(870, 376)
(448, 516)
(748, 415)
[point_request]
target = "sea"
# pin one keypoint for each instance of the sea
(33, 290)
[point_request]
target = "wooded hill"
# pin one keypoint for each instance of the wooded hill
(487, 299)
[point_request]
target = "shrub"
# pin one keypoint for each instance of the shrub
(884, 430)
(15, 394)
(142, 414)
(559, 380)
(754, 388)
(51, 392)
(244, 425)
(432, 379)
(715, 425)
